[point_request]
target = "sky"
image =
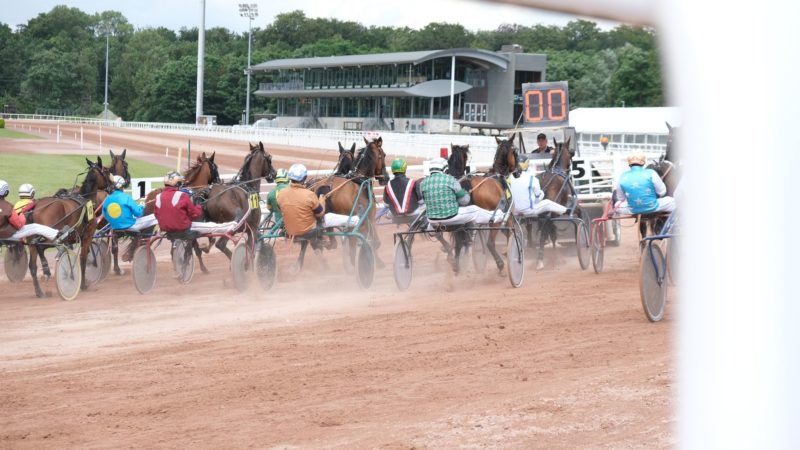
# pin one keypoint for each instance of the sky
(175, 14)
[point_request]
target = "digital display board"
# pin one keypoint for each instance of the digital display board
(546, 104)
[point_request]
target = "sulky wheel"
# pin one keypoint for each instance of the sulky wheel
(144, 269)
(365, 265)
(16, 262)
(516, 260)
(582, 244)
(479, 250)
(183, 261)
(68, 275)
(94, 263)
(403, 268)
(598, 246)
(653, 282)
(266, 266)
(241, 267)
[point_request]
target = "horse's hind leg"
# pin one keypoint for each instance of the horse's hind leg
(199, 253)
(302, 256)
(32, 267)
(459, 245)
(490, 245)
(222, 246)
(642, 232)
(45, 265)
(115, 252)
(543, 235)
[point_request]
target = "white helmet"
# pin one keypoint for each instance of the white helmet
(173, 179)
(438, 164)
(26, 191)
(3, 188)
(117, 181)
(298, 173)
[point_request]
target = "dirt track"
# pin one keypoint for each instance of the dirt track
(566, 361)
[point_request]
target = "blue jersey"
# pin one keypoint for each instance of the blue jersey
(120, 210)
(637, 183)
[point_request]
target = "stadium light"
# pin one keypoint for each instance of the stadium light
(250, 11)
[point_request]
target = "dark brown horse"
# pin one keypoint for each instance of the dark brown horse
(342, 188)
(119, 167)
(666, 168)
(486, 191)
(73, 209)
(347, 160)
(228, 202)
(558, 188)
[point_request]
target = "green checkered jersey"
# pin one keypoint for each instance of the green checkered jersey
(441, 193)
(272, 201)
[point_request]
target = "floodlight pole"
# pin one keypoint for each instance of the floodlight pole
(105, 101)
(201, 51)
(249, 10)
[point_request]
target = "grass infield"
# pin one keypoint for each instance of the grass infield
(48, 173)
(13, 134)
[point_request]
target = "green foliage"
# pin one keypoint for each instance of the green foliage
(2, 123)
(57, 60)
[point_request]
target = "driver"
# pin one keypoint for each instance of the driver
(446, 202)
(174, 208)
(528, 195)
(641, 190)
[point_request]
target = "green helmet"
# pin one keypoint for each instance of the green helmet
(282, 176)
(399, 165)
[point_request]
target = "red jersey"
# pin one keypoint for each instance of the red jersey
(175, 210)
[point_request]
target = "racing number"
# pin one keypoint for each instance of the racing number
(254, 201)
(141, 185)
(576, 167)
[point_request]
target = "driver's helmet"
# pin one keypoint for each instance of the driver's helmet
(26, 191)
(3, 188)
(522, 162)
(438, 164)
(173, 179)
(636, 158)
(282, 176)
(399, 165)
(117, 181)
(298, 173)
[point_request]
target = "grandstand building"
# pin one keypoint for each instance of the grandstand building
(408, 91)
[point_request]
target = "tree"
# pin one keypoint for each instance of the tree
(637, 80)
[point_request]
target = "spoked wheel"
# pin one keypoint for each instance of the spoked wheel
(403, 272)
(516, 260)
(582, 244)
(94, 263)
(183, 261)
(16, 262)
(241, 268)
(672, 260)
(653, 282)
(105, 259)
(266, 266)
(365, 265)
(349, 247)
(598, 246)
(68, 275)
(144, 269)
(479, 250)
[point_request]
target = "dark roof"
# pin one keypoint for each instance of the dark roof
(483, 57)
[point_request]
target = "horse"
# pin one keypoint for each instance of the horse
(118, 167)
(228, 202)
(556, 187)
(199, 175)
(71, 208)
(342, 188)
(487, 192)
(666, 167)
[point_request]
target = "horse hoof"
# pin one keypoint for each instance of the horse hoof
(539, 265)
(120, 272)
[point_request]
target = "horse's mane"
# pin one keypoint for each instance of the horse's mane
(457, 162)
(197, 165)
(365, 160)
(244, 172)
(500, 164)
